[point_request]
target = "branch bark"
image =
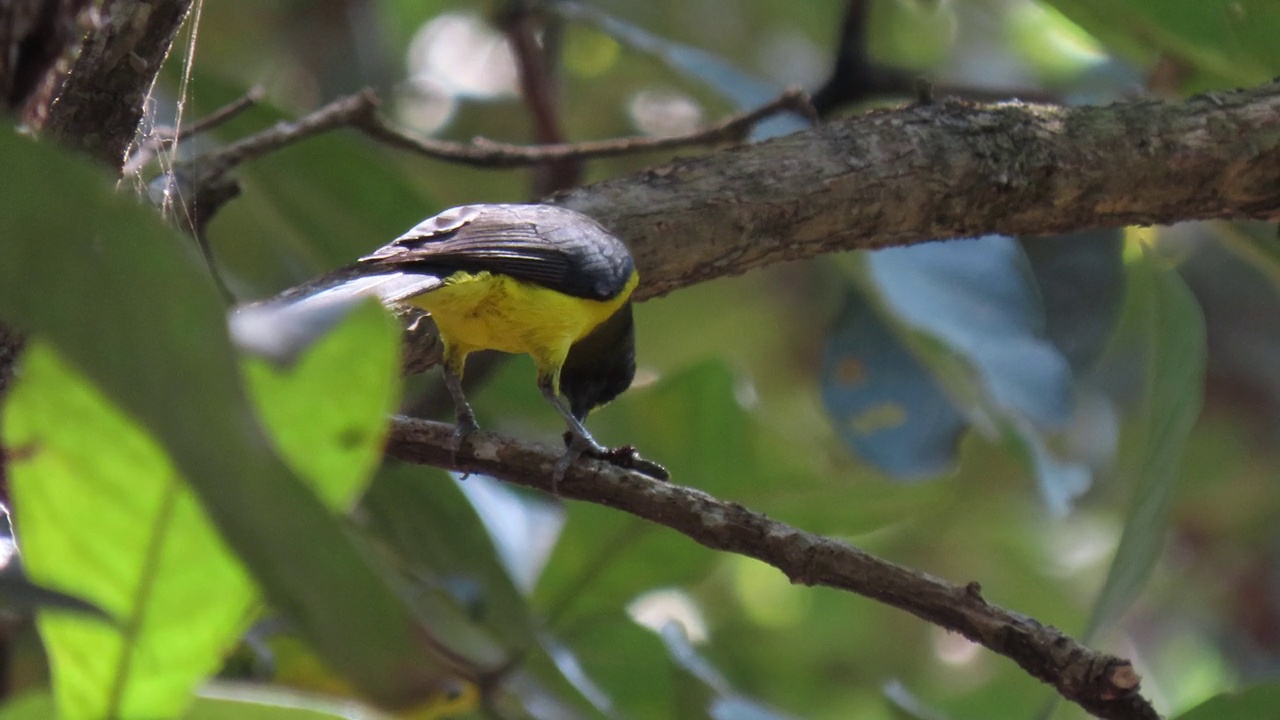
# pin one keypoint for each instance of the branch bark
(100, 105)
(1102, 684)
(949, 170)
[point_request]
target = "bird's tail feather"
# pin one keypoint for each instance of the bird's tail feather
(279, 329)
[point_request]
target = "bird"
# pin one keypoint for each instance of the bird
(532, 279)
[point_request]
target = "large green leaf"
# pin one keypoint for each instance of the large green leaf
(102, 512)
(1165, 319)
(125, 302)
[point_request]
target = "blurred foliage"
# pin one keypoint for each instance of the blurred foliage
(748, 389)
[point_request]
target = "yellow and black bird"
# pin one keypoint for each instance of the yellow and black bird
(535, 279)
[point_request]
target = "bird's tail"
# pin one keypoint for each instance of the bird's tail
(280, 328)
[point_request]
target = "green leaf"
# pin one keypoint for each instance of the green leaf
(1228, 43)
(1255, 703)
(441, 545)
(124, 300)
(102, 512)
(438, 538)
(255, 704)
(1164, 316)
(328, 412)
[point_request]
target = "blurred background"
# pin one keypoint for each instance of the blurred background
(1013, 411)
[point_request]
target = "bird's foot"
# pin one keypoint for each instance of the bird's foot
(626, 457)
(575, 447)
(466, 425)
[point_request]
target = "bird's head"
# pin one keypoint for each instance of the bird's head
(601, 365)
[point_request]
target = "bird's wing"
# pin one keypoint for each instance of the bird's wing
(281, 328)
(543, 244)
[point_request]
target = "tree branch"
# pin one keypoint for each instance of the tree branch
(1104, 685)
(360, 112)
(949, 170)
(101, 103)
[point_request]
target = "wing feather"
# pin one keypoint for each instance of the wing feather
(543, 244)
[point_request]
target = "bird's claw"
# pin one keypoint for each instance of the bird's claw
(626, 457)
(575, 447)
(466, 425)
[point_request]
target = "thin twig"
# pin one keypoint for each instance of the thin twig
(164, 137)
(360, 111)
(220, 116)
(1104, 685)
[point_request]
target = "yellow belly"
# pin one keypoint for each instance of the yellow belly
(484, 311)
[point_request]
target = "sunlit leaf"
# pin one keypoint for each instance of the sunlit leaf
(102, 511)
(328, 411)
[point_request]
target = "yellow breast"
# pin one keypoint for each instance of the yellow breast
(484, 311)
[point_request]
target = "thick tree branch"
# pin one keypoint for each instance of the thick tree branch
(101, 103)
(951, 170)
(1104, 685)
